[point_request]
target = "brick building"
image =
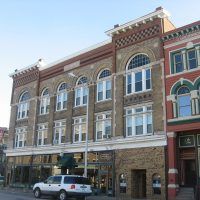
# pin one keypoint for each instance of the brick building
(182, 75)
(122, 81)
(3, 146)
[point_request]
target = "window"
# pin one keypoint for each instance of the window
(44, 102)
(79, 129)
(192, 59)
(138, 78)
(103, 126)
(185, 59)
(42, 134)
(104, 85)
(61, 102)
(20, 137)
(184, 102)
(178, 62)
(139, 121)
(23, 106)
(59, 132)
(57, 179)
(81, 92)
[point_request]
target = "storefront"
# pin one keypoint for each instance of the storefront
(24, 171)
(188, 159)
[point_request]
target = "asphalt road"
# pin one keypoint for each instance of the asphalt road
(17, 196)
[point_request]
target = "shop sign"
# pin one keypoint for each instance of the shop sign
(107, 156)
(186, 141)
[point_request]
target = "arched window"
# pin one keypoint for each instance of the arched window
(61, 102)
(44, 102)
(184, 102)
(104, 85)
(138, 78)
(81, 91)
(23, 106)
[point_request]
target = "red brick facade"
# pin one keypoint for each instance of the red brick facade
(182, 128)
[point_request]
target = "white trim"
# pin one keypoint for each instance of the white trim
(183, 118)
(172, 171)
(173, 186)
(156, 14)
(112, 144)
(171, 134)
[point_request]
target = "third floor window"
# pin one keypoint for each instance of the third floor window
(61, 101)
(138, 78)
(104, 85)
(45, 102)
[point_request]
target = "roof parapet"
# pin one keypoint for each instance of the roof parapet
(158, 13)
(31, 67)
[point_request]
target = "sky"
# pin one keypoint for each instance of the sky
(53, 29)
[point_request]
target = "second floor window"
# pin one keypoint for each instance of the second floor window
(103, 126)
(138, 78)
(79, 129)
(44, 102)
(20, 137)
(42, 134)
(81, 92)
(104, 85)
(192, 59)
(23, 106)
(59, 132)
(61, 101)
(139, 121)
(184, 102)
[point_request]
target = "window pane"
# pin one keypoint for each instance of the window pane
(184, 105)
(192, 61)
(138, 81)
(139, 125)
(148, 79)
(129, 126)
(129, 83)
(178, 62)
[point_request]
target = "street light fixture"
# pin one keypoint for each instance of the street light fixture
(87, 121)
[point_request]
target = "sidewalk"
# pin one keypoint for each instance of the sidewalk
(29, 192)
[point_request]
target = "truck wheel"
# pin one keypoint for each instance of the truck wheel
(62, 195)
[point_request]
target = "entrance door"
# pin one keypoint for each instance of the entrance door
(190, 173)
(139, 183)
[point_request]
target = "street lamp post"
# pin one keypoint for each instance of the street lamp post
(87, 122)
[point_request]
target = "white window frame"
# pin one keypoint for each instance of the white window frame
(59, 126)
(43, 131)
(23, 107)
(20, 132)
(83, 90)
(132, 114)
(61, 97)
(132, 72)
(78, 124)
(102, 119)
(44, 103)
(104, 82)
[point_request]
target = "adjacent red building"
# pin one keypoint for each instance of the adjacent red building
(182, 88)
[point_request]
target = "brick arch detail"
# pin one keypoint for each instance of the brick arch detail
(197, 83)
(135, 51)
(100, 68)
(180, 83)
(21, 92)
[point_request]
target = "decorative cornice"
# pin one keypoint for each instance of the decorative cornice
(158, 13)
(27, 69)
(183, 31)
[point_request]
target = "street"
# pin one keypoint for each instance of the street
(10, 195)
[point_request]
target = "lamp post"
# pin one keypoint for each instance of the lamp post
(87, 122)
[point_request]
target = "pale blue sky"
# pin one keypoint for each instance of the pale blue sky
(52, 29)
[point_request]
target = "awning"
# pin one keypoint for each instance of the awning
(66, 161)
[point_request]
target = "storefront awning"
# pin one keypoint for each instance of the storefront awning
(66, 161)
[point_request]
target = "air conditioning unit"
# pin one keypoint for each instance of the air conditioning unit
(55, 141)
(106, 136)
